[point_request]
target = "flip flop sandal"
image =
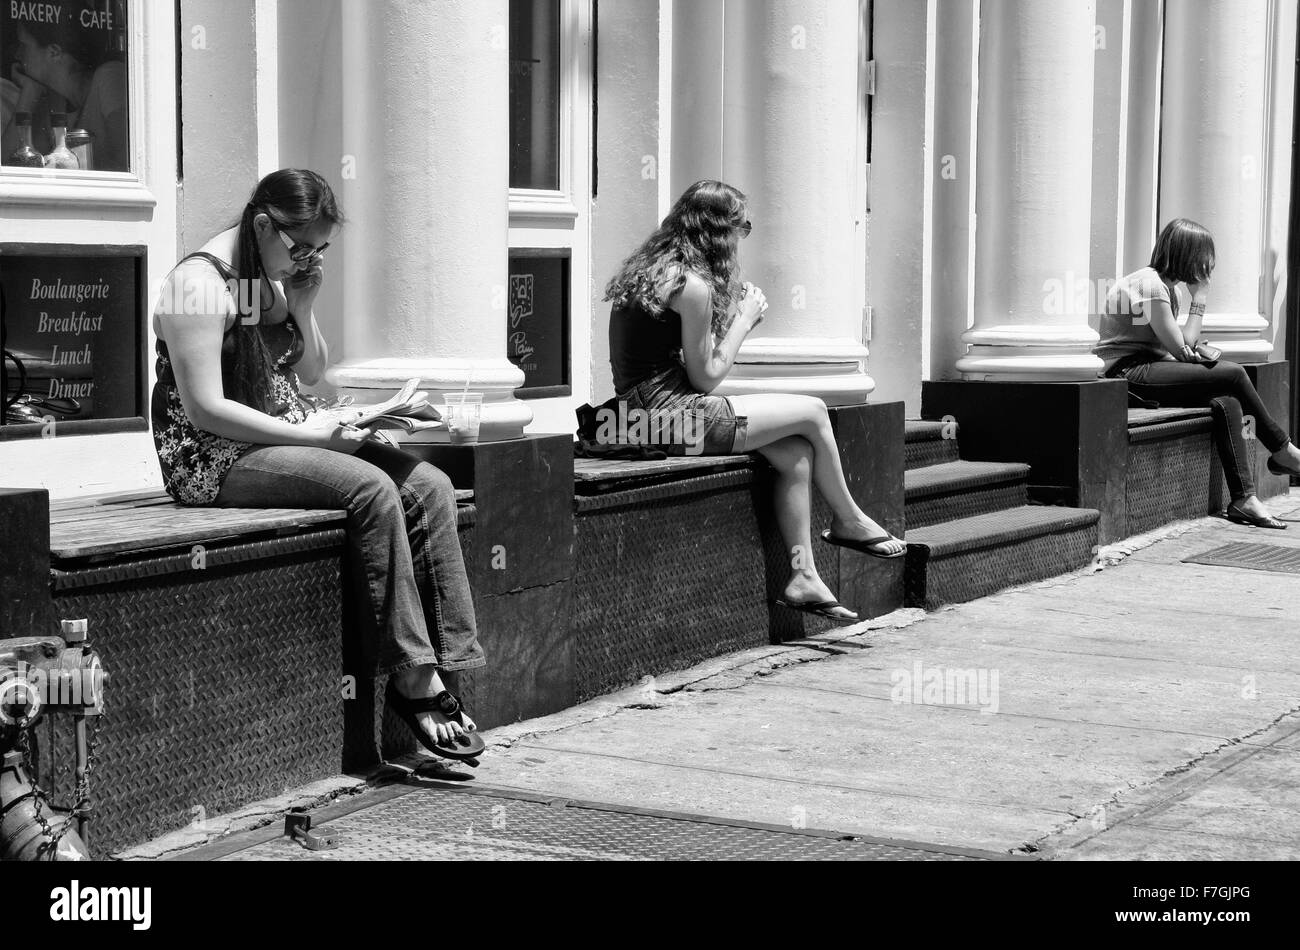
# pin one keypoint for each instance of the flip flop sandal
(468, 746)
(823, 609)
(866, 546)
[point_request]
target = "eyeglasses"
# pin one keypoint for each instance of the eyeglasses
(746, 229)
(298, 251)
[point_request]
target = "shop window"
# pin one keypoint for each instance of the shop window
(64, 70)
(535, 70)
(73, 339)
(538, 332)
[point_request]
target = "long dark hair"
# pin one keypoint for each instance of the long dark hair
(1184, 252)
(294, 200)
(695, 237)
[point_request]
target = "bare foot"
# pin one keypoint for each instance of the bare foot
(864, 529)
(1253, 507)
(804, 589)
(423, 682)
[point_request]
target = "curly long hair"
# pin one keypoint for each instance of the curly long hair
(696, 237)
(294, 200)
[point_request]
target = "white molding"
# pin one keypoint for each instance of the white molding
(528, 207)
(69, 192)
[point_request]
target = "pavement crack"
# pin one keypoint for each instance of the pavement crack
(1148, 797)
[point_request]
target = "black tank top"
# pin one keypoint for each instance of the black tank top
(642, 345)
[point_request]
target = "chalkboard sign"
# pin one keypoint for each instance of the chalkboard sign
(74, 333)
(537, 333)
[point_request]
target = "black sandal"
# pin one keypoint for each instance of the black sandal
(468, 746)
(1237, 516)
(822, 609)
(866, 547)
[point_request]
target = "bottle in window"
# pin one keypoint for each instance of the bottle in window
(62, 157)
(25, 156)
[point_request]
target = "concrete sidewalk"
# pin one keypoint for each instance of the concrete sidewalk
(1143, 709)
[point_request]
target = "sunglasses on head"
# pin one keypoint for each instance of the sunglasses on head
(298, 251)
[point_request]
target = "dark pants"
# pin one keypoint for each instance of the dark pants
(1228, 392)
(401, 533)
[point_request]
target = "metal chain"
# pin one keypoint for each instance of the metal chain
(81, 792)
(50, 841)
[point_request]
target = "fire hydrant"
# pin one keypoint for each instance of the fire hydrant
(40, 675)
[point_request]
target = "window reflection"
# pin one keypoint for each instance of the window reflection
(63, 84)
(535, 94)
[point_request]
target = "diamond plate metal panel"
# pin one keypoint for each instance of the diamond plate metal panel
(1252, 557)
(431, 824)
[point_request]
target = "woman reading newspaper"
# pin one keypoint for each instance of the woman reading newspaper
(236, 332)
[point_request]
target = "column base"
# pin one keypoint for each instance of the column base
(1029, 365)
(504, 416)
(831, 370)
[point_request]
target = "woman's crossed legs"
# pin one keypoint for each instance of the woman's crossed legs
(794, 434)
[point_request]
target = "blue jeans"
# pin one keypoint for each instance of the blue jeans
(1228, 392)
(401, 527)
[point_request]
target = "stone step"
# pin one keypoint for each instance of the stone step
(924, 443)
(955, 490)
(969, 558)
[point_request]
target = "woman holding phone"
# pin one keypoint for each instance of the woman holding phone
(1169, 364)
(679, 318)
(232, 431)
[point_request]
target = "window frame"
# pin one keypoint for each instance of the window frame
(533, 207)
(79, 189)
(138, 421)
(546, 223)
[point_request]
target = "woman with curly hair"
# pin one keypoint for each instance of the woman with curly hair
(680, 316)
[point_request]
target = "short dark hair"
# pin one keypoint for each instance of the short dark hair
(1184, 252)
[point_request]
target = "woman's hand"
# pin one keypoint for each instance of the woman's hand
(334, 431)
(301, 289)
(1200, 291)
(753, 305)
(1187, 355)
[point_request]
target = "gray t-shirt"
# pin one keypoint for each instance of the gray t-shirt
(1126, 320)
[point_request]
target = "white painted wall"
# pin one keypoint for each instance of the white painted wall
(899, 162)
(219, 116)
(626, 209)
(951, 172)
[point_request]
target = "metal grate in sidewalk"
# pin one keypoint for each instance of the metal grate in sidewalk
(1252, 557)
(438, 823)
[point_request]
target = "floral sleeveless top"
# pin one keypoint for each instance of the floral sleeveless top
(195, 463)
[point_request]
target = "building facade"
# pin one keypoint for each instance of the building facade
(940, 189)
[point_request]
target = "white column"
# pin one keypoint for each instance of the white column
(426, 133)
(1213, 164)
(1034, 190)
(790, 110)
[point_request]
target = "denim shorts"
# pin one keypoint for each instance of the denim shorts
(667, 412)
